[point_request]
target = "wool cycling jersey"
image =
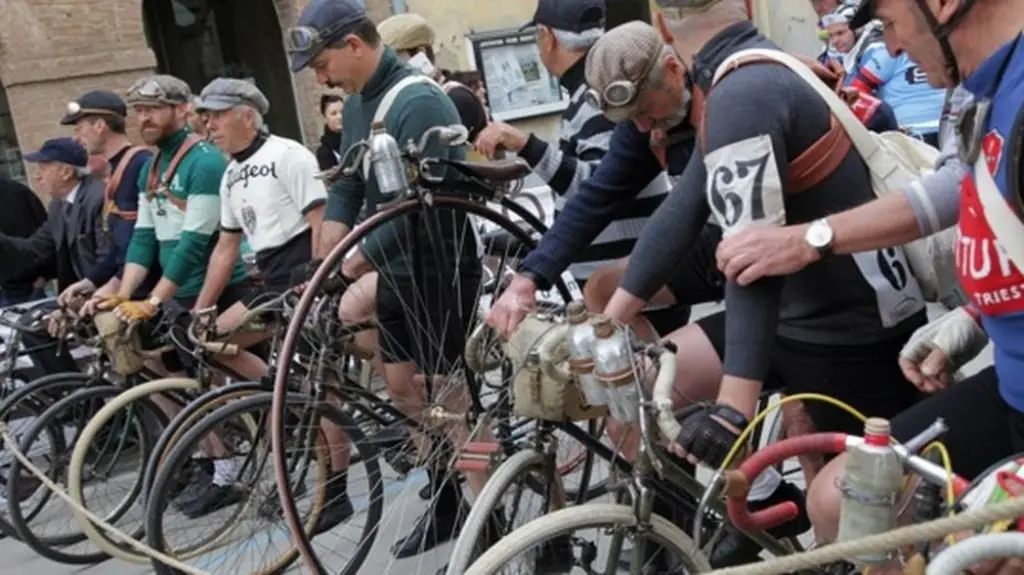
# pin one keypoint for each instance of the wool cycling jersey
(176, 223)
(266, 193)
(901, 84)
(991, 280)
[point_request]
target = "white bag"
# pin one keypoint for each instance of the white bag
(896, 161)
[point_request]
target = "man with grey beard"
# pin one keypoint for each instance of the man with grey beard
(641, 148)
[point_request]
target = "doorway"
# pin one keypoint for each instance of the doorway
(10, 154)
(199, 40)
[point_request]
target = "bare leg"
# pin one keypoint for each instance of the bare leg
(357, 305)
(603, 283)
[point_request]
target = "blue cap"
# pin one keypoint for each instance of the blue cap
(330, 20)
(569, 15)
(95, 103)
(63, 150)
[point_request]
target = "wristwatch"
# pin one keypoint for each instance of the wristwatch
(820, 236)
(730, 415)
(154, 301)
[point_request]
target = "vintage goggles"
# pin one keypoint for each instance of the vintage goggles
(300, 39)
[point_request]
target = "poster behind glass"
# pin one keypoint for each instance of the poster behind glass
(518, 85)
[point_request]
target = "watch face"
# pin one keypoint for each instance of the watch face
(819, 235)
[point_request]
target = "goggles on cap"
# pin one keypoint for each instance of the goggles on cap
(147, 88)
(618, 94)
(299, 39)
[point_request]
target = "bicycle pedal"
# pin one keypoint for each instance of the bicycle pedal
(478, 457)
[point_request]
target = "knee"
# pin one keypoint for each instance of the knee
(824, 499)
(601, 285)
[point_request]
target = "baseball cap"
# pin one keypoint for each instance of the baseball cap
(322, 22)
(626, 53)
(225, 93)
(406, 31)
(569, 15)
(63, 150)
(95, 103)
(159, 90)
(865, 13)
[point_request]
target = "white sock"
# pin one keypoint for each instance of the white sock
(225, 471)
(764, 485)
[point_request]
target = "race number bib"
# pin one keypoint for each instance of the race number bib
(743, 184)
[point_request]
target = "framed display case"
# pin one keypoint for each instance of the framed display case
(518, 85)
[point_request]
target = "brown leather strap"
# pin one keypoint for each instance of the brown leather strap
(109, 194)
(819, 160)
(164, 181)
(822, 157)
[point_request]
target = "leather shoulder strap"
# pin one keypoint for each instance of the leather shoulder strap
(115, 179)
(190, 142)
(823, 156)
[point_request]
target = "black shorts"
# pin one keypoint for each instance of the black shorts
(176, 315)
(426, 321)
(866, 377)
(983, 428)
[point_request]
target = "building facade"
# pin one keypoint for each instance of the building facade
(51, 52)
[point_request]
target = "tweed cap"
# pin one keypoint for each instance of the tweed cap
(406, 31)
(625, 53)
(226, 93)
(158, 90)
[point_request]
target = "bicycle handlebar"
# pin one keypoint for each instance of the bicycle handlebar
(201, 317)
(738, 481)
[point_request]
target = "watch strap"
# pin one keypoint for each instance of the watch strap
(730, 415)
(538, 280)
(154, 301)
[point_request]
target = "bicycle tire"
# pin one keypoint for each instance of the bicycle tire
(53, 547)
(191, 413)
(486, 501)
(76, 466)
(591, 515)
(71, 381)
(302, 310)
(183, 449)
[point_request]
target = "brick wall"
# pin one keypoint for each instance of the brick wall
(52, 52)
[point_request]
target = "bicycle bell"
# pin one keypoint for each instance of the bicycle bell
(386, 159)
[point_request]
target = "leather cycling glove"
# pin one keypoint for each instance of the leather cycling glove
(703, 435)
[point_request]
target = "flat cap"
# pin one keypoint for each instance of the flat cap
(626, 53)
(225, 93)
(95, 103)
(63, 150)
(406, 31)
(569, 15)
(321, 22)
(159, 90)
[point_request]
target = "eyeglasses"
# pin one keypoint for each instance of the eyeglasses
(301, 39)
(970, 130)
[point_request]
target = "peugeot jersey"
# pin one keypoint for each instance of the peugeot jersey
(267, 197)
(901, 84)
(994, 284)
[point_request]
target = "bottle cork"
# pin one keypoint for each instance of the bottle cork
(576, 312)
(603, 326)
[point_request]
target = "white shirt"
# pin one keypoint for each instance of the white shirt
(268, 195)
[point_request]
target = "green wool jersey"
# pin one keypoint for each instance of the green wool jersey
(177, 227)
(417, 108)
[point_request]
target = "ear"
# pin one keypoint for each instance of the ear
(659, 24)
(944, 9)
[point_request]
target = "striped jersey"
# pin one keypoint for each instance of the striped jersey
(583, 141)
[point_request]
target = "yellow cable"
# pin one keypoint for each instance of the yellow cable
(947, 465)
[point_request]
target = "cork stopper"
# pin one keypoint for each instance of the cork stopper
(377, 127)
(603, 326)
(876, 432)
(576, 312)
(876, 426)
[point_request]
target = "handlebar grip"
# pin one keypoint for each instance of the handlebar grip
(738, 481)
(334, 285)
